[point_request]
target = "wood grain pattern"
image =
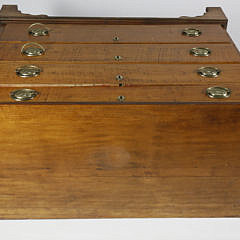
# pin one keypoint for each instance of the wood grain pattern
(61, 33)
(72, 74)
(143, 94)
(130, 53)
(75, 151)
(88, 161)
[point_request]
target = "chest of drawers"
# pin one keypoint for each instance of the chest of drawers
(118, 117)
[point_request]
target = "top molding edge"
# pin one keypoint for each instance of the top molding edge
(213, 15)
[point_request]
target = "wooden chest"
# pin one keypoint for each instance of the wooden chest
(118, 117)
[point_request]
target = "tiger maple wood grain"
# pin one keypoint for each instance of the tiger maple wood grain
(73, 74)
(141, 94)
(77, 33)
(130, 53)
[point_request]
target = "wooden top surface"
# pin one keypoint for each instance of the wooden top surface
(213, 15)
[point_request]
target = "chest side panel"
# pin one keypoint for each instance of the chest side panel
(87, 161)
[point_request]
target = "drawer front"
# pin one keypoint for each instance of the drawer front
(123, 33)
(129, 53)
(160, 94)
(108, 74)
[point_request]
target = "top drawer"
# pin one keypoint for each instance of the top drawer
(78, 33)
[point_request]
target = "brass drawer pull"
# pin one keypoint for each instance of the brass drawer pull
(28, 71)
(23, 94)
(210, 72)
(38, 29)
(191, 32)
(218, 92)
(32, 49)
(200, 52)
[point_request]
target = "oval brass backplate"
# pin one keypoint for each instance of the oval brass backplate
(32, 49)
(200, 52)
(191, 32)
(23, 94)
(28, 71)
(38, 29)
(210, 72)
(218, 92)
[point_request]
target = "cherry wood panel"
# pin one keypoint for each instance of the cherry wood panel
(69, 33)
(130, 53)
(70, 74)
(156, 94)
(88, 161)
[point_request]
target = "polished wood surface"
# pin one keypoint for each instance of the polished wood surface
(60, 33)
(72, 74)
(155, 94)
(130, 53)
(88, 161)
(76, 151)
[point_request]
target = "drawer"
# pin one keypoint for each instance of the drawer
(71, 74)
(128, 53)
(159, 94)
(125, 33)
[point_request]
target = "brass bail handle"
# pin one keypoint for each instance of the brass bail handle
(38, 29)
(32, 49)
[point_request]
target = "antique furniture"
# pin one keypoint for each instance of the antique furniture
(118, 117)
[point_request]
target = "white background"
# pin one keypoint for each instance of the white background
(127, 229)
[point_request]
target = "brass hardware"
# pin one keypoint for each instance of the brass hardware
(202, 52)
(32, 49)
(38, 29)
(28, 71)
(218, 92)
(23, 94)
(191, 32)
(118, 58)
(116, 38)
(210, 72)
(121, 98)
(119, 77)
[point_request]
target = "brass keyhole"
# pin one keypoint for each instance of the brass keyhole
(116, 38)
(121, 98)
(118, 58)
